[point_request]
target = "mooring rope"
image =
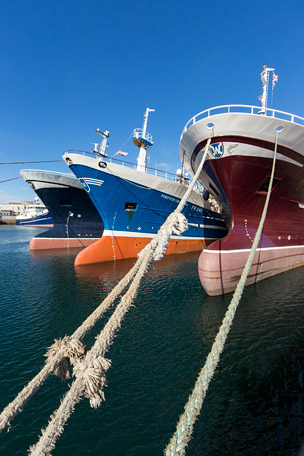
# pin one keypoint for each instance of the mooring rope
(59, 352)
(62, 350)
(90, 368)
(11, 179)
(90, 373)
(184, 428)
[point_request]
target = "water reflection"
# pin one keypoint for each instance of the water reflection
(254, 405)
(113, 271)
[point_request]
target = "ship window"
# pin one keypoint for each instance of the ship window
(130, 206)
(67, 203)
(263, 188)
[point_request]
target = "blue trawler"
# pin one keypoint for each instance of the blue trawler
(135, 200)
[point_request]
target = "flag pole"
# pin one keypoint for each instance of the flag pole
(274, 81)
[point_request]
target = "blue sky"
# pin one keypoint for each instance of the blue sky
(69, 67)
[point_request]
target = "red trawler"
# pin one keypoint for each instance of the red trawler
(237, 173)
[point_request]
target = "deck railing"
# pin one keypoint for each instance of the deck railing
(149, 170)
(139, 133)
(246, 109)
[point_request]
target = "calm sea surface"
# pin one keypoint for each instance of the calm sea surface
(254, 405)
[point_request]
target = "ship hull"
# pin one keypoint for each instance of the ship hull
(240, 176)
(76, 220)
(281, 246)
(116, 247)
(220, 270)
(134, 205)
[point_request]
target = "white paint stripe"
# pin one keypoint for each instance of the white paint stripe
(263, 249)
(130, 235)
(214, 227)
(135, 234)
(67, 239)
(92, 180)
(208, 226)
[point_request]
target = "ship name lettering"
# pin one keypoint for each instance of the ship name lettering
(197, 209)
(171, 198)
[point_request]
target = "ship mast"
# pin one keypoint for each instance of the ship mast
(265, 83)
(143, 141)
(103, 144)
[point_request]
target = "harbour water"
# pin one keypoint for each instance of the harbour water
(254, 405)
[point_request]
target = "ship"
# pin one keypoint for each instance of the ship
(77, 223)
(134, 200)
(35, 214)
(237, 172)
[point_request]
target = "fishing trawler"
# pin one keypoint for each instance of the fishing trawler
(35, 214)
(237, 172)
(76, 220)
(134, 200)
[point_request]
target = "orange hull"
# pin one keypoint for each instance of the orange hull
(59, 243)
(120, 247)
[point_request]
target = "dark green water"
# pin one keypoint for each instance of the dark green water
(254, 405)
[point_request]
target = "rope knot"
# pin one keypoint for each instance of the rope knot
(70, 349)
(93, 378)
(179, 223)
(176, 223)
